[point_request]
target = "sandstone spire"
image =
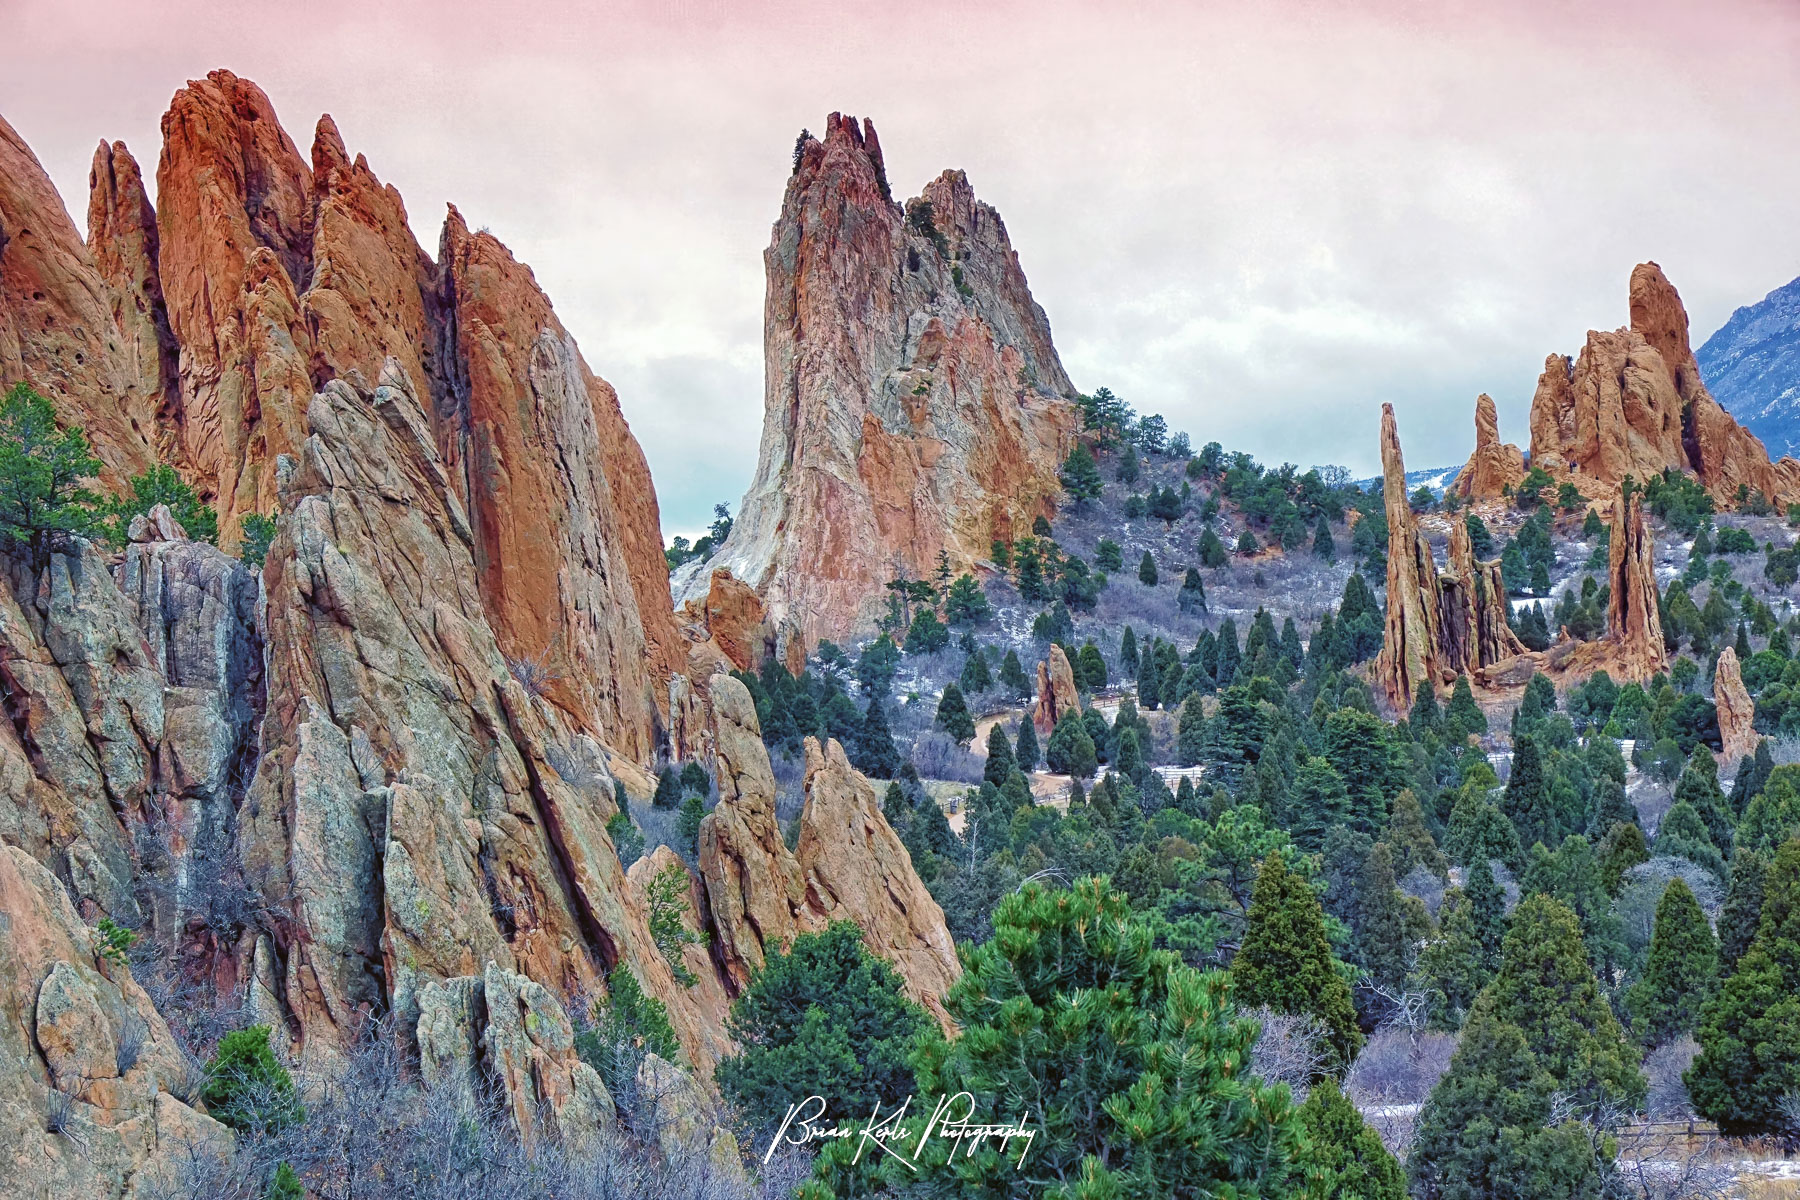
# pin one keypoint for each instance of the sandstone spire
(1495, 465)
(1737, 711)
(1635, 628)
(914, 402)
(1633, 404)
(1409, 649)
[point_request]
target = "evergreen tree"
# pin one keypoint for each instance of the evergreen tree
(1012, 676)
(999, 754)
(1464, 718)
(1527, 796)
(1071, 749)
(668, 789)
(975, 677)
(1482, 1135)
(1317, 801)
(875, 755)
(1227, 653)
(1743, 907)
(1623, 849)
(247, 1088)
(1425, 716)
(1699, 787)
(1322, 544)
(1149, 679)
(42, 502)
(1081, 477)
(1774, 815)
(1147, 570)
(1451, 971)
(1680, 971)
(823, 1017)
(1128, 652)
(1347, 1159)
(953, 715)
(1682, 834)
(1487, 914)
(1190, 739)
(1546, 988)
(1389, 924)
(1130, 1068)
(1285, 961)
(1212, 549)
(1749, 1061)
(1192, 597)
(1128, 759)
(1412, 842)
(1027, 754)
(965, 603)
(1090, 668)
(693, 811)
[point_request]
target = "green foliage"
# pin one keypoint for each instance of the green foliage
(1071, 749)
(161, 485)
(284, 1185)
(1089, 668)
(1000, 760)
(246, 1088)
(1773, 816)
(1012, 675)
(1742, 913)
(1483, 1134)
(625, 1027)
(1080, 477)
(113, 942)
(975, 677)
(1131, 1067)
(1546, 988)
(1680, 971)
(1463, 716)
(1285, 962)
(1346, 1158)
(1451, 968)
(1749, 1035)
(668, 897)
(1147, 570)
(1026, 752)
(42, 502)
(926, 634)
(693, 811)
(668, 789)
(256, 533)
(1212, 550)
(953, 715)
(965, 603)
(1108, 556)
(627, 839)
(825, 1017)
(1192, 597)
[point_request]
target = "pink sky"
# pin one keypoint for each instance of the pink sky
(1261, 219)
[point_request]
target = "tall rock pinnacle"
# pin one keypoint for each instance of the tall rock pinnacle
(913, 403)
(1633, 623)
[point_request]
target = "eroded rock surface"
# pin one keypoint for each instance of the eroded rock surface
(1634, 626)
(1056, 691)
(914, 401)
(1495, 466)
(1737, 711)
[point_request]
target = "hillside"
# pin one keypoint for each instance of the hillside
(1752, 365)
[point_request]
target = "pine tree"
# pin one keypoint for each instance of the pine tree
(1347, 1159)
(975, 677)
(1546, 988)
(1322, 545)
(1285, 961)
(1412, 842)
(1749, 1035)
(668, 789)
(1482, 1135)
(1071, 750)
(1147, 570)
(1128, 652)
(1464, 717)
(1680, 971)
(1027, 753)
(1149, 677)
(1190, 739)
(1682, 834)
(1389, 924)
(1012, 676)
(1487, 914)
(1527, 797)
(1192, 597)
(1743, 907)
(1623, 849)
(1425, 715)
(953, 715)
(875, 754)
(1450, 970)
(1317, 801)
(999, 754)
(1090, 668)
(1081, 477)
(1699, 786)
(1128, 759)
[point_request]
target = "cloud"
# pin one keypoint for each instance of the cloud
(1260, 219)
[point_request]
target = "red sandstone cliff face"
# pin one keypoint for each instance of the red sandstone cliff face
(913, 399)
(1633, 404)
(57, 309)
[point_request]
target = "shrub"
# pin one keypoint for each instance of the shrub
(42, 502)
(246, 1088)
(668, 919)
(626, 1027)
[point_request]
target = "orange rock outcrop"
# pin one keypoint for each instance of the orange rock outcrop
(1737, 711)
(1495, 466)
(1633, 404)
(1056, 691)
(1634, 627)
(914, 403)
(1439, 626)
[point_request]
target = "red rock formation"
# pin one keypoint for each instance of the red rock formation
(913, 402)
(1737, 711)
(1633, 624)
(56, 319)
(1633, 404)
(1495, 466)
(1438, 626)
(1056, 691)
(122, 238)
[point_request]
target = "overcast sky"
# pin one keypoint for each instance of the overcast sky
(1261, 219)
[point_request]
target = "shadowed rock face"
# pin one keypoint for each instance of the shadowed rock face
(913, 400)
(1633, 403)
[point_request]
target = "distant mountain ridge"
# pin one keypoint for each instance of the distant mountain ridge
(1752, 367)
